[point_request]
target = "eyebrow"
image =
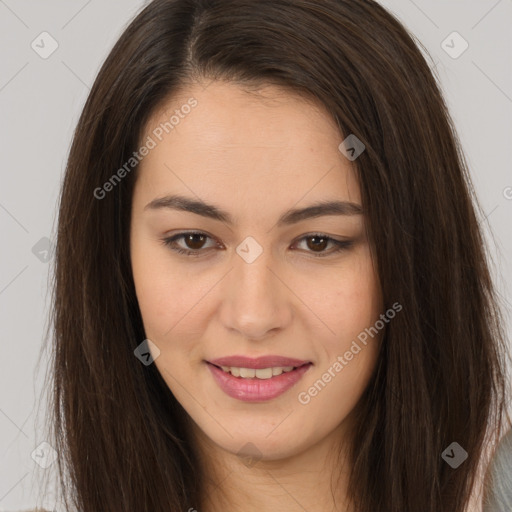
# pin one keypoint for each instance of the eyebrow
(292, 216)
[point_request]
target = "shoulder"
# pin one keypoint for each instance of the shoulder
(498, 486)
(35, 510)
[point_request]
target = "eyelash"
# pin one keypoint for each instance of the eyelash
(340, 245)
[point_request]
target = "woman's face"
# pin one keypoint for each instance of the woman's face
(265, 281)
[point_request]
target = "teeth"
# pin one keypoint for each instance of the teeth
(250, 373)
(264, 373)
(247, 372)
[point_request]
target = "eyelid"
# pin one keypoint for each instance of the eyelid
(340, 245)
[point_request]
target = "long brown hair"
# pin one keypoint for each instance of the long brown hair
(121, 436)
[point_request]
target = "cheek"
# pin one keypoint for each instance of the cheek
(345, 298)
(353, 305)
(350, 303)
(164, 291)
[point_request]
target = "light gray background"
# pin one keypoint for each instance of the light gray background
(41, 99)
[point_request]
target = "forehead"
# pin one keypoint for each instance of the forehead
(272, 144)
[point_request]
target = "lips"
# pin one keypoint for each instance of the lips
(256, 389)
(258, 362)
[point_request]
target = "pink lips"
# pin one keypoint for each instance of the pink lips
(257, 390)
(258, 362)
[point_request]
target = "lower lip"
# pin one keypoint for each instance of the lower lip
(257, 390)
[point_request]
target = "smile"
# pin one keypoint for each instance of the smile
(256, 384)
(260, 373)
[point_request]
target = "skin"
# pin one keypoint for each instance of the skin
(256, 156)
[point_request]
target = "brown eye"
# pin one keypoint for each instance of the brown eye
(317, 243)
(194, 243)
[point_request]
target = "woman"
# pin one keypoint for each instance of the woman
(271, 289)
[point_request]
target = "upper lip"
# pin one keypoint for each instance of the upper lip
(270, 361)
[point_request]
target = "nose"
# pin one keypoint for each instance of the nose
(255, 301)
